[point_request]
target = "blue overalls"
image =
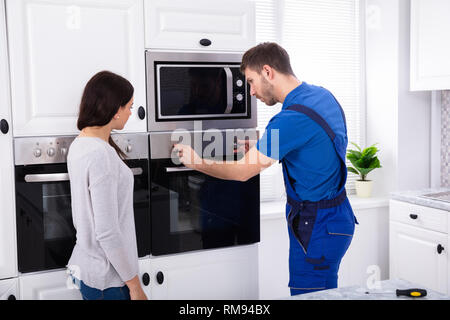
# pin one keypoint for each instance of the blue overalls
(319, 232)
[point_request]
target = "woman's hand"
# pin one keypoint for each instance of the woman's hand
(136, 291)
(138, 294)
(186, 155)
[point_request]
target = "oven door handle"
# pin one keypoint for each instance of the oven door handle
(56, 177)
(178, 169)
(229, 90)
(49, 177)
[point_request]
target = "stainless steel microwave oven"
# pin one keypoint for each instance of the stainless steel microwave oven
(190, 89)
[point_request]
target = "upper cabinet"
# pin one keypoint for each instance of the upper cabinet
(8, 264)
(57, 46)
(200, 24)
(430, 49)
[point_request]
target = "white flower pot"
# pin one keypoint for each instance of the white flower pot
(363, 188)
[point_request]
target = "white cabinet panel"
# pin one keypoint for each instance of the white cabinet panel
(414, 256)
(9, 289)
(419, 216)
(57, 46)
(179, 24)
(430, 49)
(145, 272)
(230, 273)
(8, 265)
(55, 285)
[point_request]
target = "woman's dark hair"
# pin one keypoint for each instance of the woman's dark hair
(103, 95)
(268, 53)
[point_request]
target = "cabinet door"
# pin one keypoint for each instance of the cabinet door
(230, 273)
(9, 289)
(57, 46)
(430, 52)
(414, 256)
(180, 24)
(145, 272)
(55, 285)
(8, 265)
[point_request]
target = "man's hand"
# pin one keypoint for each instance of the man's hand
(186, 155)
(242, 146)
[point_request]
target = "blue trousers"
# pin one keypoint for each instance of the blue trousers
(114, 293)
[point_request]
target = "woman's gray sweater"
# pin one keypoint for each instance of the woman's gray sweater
(105, 253)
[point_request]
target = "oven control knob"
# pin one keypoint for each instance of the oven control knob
(129, 148)
(239, 83)
(37, 152)
(51, 152)
(64, 152)
(239, 97)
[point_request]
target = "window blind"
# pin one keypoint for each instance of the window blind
(323, 39)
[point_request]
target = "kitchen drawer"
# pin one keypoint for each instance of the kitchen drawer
(419, 216)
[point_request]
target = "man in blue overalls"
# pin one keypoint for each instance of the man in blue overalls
(312, 137)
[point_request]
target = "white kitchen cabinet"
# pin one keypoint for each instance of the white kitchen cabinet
(57, 46)
(9, 289)
(179, 24)
(418, 253)
(145, 272)
(53, 285)
(219, 274)
(430, 50)
(8, 264)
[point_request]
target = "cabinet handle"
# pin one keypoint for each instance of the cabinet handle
(440, 248)
(160, 277)
(12, 298)
(146, 279)
(205, 42)
(141, 113)
(413, 216)
(4, 126)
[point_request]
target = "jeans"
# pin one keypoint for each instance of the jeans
(114, 293)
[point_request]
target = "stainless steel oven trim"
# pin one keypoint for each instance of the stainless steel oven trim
(56, 177)
(229, 92)
(221, 58)
(24, 148)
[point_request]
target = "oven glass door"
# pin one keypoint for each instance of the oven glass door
(192, 211)
(45, 232)
(200, 91)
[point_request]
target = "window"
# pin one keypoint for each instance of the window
(324, 41)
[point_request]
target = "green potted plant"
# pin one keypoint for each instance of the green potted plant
(363, 161)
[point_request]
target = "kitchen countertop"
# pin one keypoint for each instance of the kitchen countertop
(385, 291)
(276, 209)
(414, 196)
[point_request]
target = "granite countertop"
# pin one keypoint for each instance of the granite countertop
(414, 196)
(384, 291)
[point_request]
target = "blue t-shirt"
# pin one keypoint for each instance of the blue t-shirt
(308, 152)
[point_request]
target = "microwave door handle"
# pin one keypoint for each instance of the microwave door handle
(49, 177)
(178, 169)
(229, 90)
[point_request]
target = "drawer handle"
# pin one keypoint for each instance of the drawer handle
(205, 42)
(440, 248)
(146, 279)
(413, 216)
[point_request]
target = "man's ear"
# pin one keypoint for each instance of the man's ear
(268, 72)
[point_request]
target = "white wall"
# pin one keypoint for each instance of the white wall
(399, 120)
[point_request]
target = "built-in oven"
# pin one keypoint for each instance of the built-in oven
(45, 232)
(193, 211)
(183, 87)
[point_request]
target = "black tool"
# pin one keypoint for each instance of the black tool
(415, 293)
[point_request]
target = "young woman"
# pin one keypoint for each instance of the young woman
(104, 261)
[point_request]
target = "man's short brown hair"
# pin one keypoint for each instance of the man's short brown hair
(267, 53)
